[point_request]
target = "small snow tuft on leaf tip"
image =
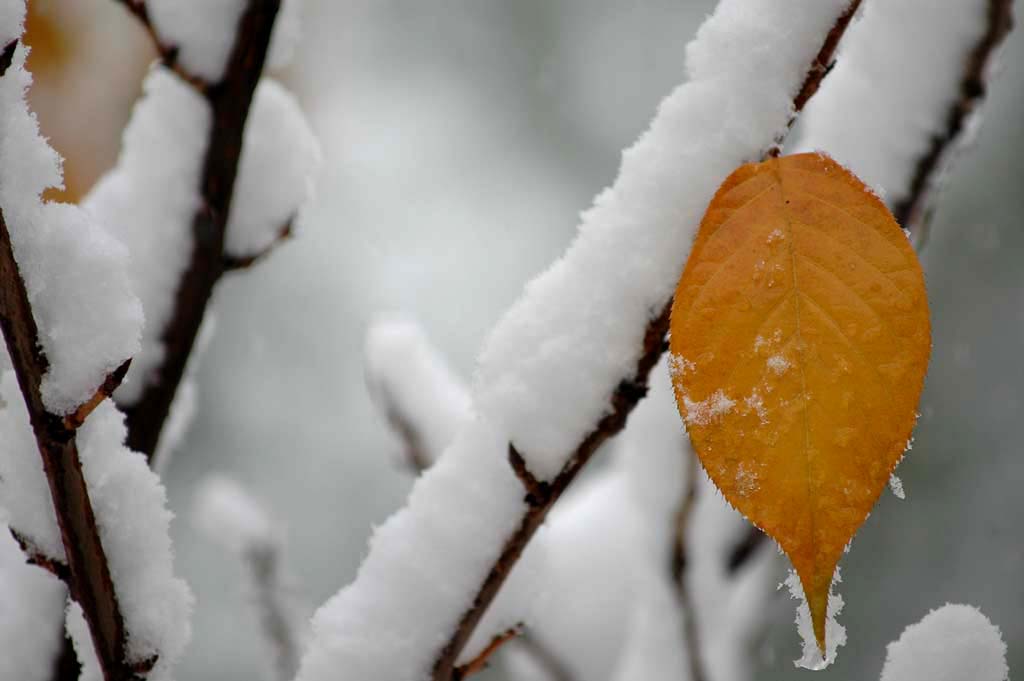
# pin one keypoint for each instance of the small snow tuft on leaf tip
(835, 633)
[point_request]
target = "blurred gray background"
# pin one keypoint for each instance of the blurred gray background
(461, 139)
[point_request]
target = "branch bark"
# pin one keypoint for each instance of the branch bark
(229, 101)
(87, 574)
(541, 495)
(914, 211)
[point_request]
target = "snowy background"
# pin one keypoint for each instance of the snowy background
(460, 141)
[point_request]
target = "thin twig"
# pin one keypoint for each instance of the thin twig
(479, 662)
(34, 556)
(542, 495)
(680, 563)
(229, 101)
(264, 562)
(88, 573)
(914, 211)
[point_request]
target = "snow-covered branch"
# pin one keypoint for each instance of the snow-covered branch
(925, 93)
(587, 319)
(424, 402)
(70, 322)
(194, 171)
(226, 513)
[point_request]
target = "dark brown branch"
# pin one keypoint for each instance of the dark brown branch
(229, 102)
(241, 262)
(88, 576)
(914, 210)
(419, 460)
(541, 497)
(478, 663)
(34, 556)
(7, 56)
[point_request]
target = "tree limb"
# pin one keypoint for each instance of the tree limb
(914, 211)
(229, 101)
(88, 573)
(540, 495)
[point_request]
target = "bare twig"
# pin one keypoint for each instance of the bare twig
(680, 562)
(479, 662)
(417, 457)
(34, 556)
(540, 495)
(88, 573)
(263, 562)
(914, 210)
(229, 101)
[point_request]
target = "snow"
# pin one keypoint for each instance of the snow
(705, 411)
(551, 364)
(835, 633)
(183, 408)
(652, 650)
(78, 630)
(424, 564)
(952, 643)
(226, 513)
(280, 156)
(179, 420)
(778, 364)
(75, 274)
(31, 608)
(130, 505)
(202, 30)
(897, 111)
(286, 35)
(12, 20)
(896, 485)
(148, 201)
(410, 382)
(589, 593)
(24, 491)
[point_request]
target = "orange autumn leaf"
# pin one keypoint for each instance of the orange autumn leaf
(799, 342)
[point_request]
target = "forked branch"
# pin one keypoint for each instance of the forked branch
(87, 572)
(541, 496)
(230, 101)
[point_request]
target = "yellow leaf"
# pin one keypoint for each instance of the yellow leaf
(799, 341)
